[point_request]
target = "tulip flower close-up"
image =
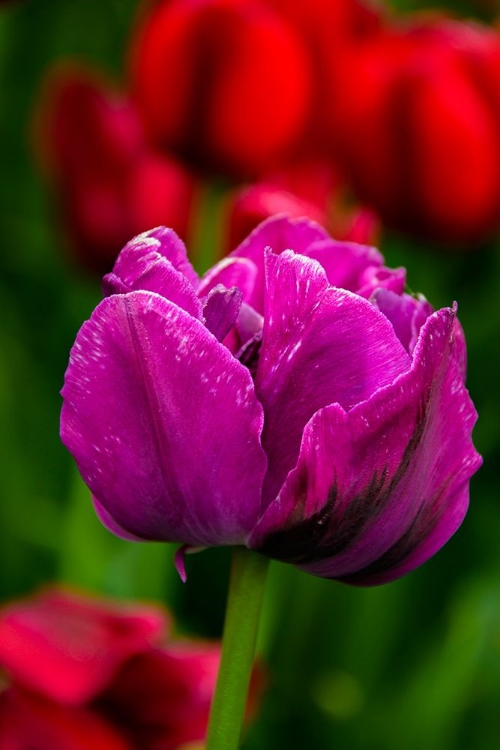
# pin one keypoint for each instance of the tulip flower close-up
(294, 400)
(249, 397)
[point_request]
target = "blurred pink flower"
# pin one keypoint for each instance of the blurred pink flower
(84, 673)
(295, 400)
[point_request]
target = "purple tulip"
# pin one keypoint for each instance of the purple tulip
(296, 401)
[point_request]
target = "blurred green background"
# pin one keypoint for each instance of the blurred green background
(415, 664)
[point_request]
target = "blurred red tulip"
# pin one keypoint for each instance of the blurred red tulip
(314, 190)
(416, 117)
(162, 698)
(87, 674)
(109, 182)
(30, 722)
(342, 21)
(68, 648)
(224, 83)
(328, 28)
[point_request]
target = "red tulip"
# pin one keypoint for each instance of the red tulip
(328, 28)
(87, 674)
(30, 722)
(67, 648)
(224, 83)
(110, 183)
(417, 119)
(162, 698)
(313, 190)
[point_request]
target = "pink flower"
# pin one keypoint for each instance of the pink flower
(83, 673)
(295, 400)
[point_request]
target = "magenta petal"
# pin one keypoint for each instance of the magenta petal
(381, 488)
(180, 562)
(220, 310)
(320, 345)
(373, 278)
(140, 264)
(180, 559)
(279, 233)
(344, 262)
(357, 268)
(249, 323)
(406, 313)
(112, 284)
(164, 423)
(111, 524)
(159, 276)
(238, 272)
(460, 347)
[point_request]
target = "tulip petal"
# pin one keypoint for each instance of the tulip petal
(155, 261)
(238, 272)
(158, 276)
(320, 346)
(357, 268)
(166, 690)
(393, 279)
(220, 310)
(381, 488)
(248, 324)
(279, 233)
(407, 314)
(344, 262)
(164, 423)
(143, 256)
(111, 524)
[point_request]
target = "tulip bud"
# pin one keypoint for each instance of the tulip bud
(328, 29)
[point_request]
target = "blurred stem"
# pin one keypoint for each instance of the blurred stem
(207, 239)
(246, 589)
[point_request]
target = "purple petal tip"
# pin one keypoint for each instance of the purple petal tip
(180, 559)
(180, 562)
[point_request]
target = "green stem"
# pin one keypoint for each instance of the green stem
(246, 588)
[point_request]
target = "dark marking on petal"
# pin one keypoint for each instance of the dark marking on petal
(249, 353)
(324, 534)
(421, 527)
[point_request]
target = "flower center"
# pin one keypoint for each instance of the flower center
(249, 353)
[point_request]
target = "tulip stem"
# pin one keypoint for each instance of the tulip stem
(246, 588)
